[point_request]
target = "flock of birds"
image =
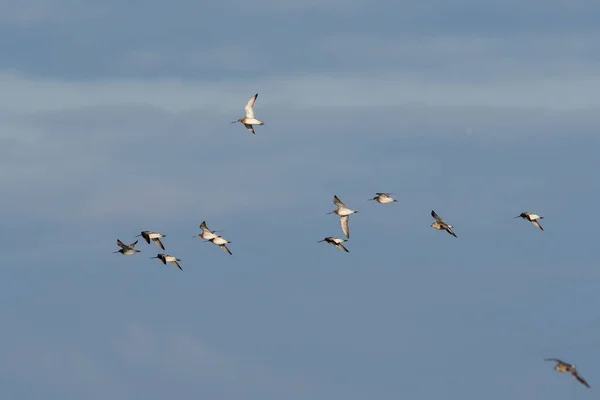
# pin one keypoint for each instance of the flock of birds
(249, 120)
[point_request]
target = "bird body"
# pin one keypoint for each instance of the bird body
(248, 119)
(440, 225)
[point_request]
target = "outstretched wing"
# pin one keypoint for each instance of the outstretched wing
(249, 105)
(224, 247)
(437, 217)
(536, 223)
(580, 379)
(342, 247)
(450, 231)
(337, 201)
(158, 243)
(250, 128)
(178, 266)
(132, 245)
(557, 360)
(344, 225)
(121, 244)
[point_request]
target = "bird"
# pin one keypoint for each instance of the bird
(562, 366)
(154, 236)
(531, 217)
(344, 213)
(439, 224)
(165, 258)
(384, 198)
(126, 249)
(248, 120)
(206, 233)
(222, 243)
(337, 242)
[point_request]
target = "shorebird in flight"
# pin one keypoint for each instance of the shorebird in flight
(165, 258)
(440, 225)
(206, 233)
(531, 217)
(562, 366)
(337, 242)
(154, 236)
(384, 198)
(248, 120)
(222, 243)
(344, 213)
(126, 249)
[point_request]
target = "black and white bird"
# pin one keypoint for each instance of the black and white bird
(337, 242)
(384, 198)
(531, 217)
(126, 249)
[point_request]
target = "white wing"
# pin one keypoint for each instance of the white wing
(537, 224)
(344, 225)
(248, 108)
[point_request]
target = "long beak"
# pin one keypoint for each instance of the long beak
(115, 251)
(233, 122)
(153, 257)
(138, 235)
(370, 199)
(321, 241)
(518, 216)
(330, 213)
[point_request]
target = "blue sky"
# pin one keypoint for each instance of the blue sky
(116, 119)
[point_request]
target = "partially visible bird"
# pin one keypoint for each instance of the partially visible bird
(337, 242)
(344, 213)
(165, 258)
(384, 198)
(440, 225)
(222, 243)
(248, 120)
(126, 249)
(206, 233)
(562, 366)
(154, 236)
(531, 217)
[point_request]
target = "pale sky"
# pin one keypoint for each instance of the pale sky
(115, 118)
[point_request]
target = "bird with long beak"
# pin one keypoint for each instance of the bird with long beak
(383, 198)
(165, 258)
(248, 120)
(531, 217)
(344, 213)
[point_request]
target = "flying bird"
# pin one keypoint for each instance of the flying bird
(222, 243)
(440, 225)
(165, 258)
(206, 233)
(384, 198)
(344, 213)
(337, 242)
(562, 366)
(126, 249)
(248, 120)
(531, 217)
(154, 236)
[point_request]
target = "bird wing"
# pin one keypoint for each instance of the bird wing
(250, 128)
(224, 247)
(178, 266)
(132, 245)
(342, 247)
(536, 223)
(344, 225)
(146, 237)
(579, 378)
(204, 227)
(338, 202)
(249, 105)
(450, 231)
(158, 243)
(121, 244)
(557, 360)
(437, 217)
